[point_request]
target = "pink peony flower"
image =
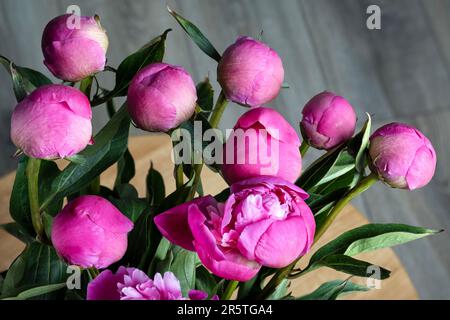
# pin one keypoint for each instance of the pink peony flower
(262, 143)
(134, 284)
(250, 72)
(328, 121)
(90, 232)
(74, 49)
(161, 96)
(265, 221)
(54, 121)
(402, 156)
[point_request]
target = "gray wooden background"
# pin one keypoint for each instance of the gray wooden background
(401, 72)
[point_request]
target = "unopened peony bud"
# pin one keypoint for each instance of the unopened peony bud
(90, 232)
(74, 49)
(250, 72)
(402, 156)
(54, 121)
(328, 121)
(161, 96)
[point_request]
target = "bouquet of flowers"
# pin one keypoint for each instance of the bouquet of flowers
(86, 241)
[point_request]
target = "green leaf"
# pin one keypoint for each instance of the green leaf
(17, 231)
(177, 197)
(205, 95)
(162, 259)
(280, 291)
(130, 207)
(37, 291)
(183, 266)
(37, 265)
(349, 265)
(24, 80)
(196, 35)
(370, 237)
(47, 221)
(126, 169)
(109, 146)
(333, 289)
(150, 53)
(156, 190)
(19, 206)
(359, 144)
(223, 195)
(205, 281)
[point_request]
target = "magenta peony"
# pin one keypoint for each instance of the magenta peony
(402, 156)
(90, 232)
(54, 121)
(74, 49)
(265, 221)
(328, 121)
(161, 96)
(250, 72)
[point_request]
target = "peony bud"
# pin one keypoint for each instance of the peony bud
(74, 47)
(328, 120)
(90, 232)
(250, 72)
(402, 156)
(161, 96)
(54, 121)
(262, 143)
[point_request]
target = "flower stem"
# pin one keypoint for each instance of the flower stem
(216, 115)
(179, 178)
(362, 186)
(32, 172)
(304, 148)
(231, 287)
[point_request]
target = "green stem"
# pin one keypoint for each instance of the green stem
(281, 274)
(216, 115)
(179, 176)
(304, 148)
(231, 287)
(93, 272)
(32, 172)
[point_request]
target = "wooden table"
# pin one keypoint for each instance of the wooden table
(156, 148)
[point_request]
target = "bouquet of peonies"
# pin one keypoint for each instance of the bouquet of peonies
(86, 241)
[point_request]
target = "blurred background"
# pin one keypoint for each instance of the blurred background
(398, 73)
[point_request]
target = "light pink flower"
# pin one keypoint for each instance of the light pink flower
(161, 96)
(402, 156)
(328, 121)
(134, 284)
(250, 72)
(74, 49)
(54, 121)
(90, 232)
(265, 221)
(262, 143)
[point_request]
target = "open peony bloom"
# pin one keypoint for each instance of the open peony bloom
(265, 221)
(161, 96)
(74, 47)
(402, 156)
(250, 72)
(53, 122)
(90, 232)
(262, 143)
(328, 121)
(134, 284)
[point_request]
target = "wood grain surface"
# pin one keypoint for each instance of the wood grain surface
(157, 148)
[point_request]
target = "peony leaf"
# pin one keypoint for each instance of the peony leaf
(205, 94)
(205, 281)
(359, 144)
(196, 35)
(37, 291)
(126, 169)
(183, 266)
(14, 229)
(24, 80)
(156, 190)
(333, 289)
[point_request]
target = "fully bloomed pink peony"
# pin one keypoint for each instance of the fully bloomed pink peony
(91, 232)
(328, 121)
(134, 284)
(53, 122)
(250, 72)
(74, 47)
(264, 222)
(161, 96)
(402, 156)
(262, 143)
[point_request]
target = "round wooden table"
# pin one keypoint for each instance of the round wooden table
(157, 148)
